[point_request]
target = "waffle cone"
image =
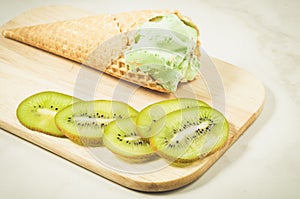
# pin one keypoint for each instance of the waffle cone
(84, 40)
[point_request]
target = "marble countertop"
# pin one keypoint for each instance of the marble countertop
(263, 37)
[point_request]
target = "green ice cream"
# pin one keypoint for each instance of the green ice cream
(164, 49)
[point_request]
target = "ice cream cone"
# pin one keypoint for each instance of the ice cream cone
(79, 40)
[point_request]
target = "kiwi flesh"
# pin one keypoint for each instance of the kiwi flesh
(37, 112)
(121, 138)
(154, 112)
(189, 134)
(84, 122)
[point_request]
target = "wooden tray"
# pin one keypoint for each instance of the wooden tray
(25, 70)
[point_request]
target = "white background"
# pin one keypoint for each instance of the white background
(261, 36)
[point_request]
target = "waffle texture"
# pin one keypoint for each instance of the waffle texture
(96, 41)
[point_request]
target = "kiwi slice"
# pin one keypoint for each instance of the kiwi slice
(121, 138)
(37, 112)
(189, 134)
(155, 111)
(84, 122)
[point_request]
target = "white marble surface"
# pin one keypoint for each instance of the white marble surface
(263, 37)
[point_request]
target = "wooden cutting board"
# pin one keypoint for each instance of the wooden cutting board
(25, 70)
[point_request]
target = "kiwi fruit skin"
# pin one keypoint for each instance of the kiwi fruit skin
(182, 137)
(84, 122)
(37, 112)
(154, 112)
(121, 138)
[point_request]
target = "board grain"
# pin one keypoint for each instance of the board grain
(25, 70)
